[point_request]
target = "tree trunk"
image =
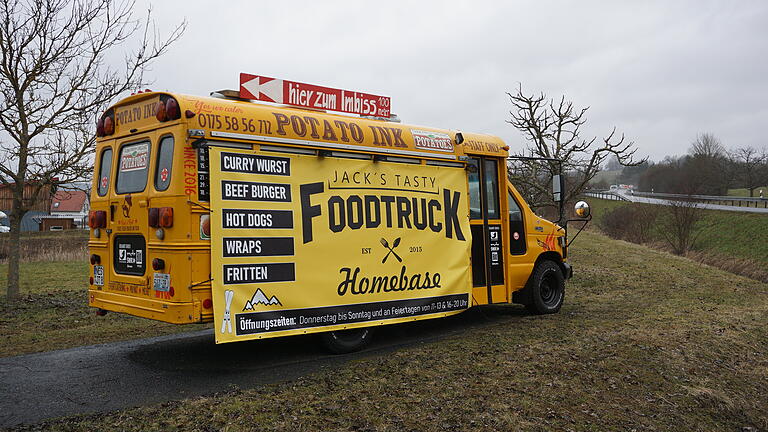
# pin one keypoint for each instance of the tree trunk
(13, 253)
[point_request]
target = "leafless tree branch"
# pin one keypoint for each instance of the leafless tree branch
(552, 128)
(56, 75)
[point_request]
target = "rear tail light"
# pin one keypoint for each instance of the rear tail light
(100, 128)
(207, 303)
(158, 264)
(168, 109)
(97, 219)
(154, 217)
(160, 217)
(160, 115)
(166, 217)
(172, 109)
(109, 126)
(105, 125)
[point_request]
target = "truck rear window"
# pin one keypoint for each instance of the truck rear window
(164, 163)
(133, 165)
(105, 168)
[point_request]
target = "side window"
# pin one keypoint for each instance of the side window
(492, 188)
(516, 227)
(475, 208)
(133, 167)
(105, 170)
(164, 163)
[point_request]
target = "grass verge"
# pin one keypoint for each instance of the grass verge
(725, 234)
(645, 341)
(53, 312)
(744, 192)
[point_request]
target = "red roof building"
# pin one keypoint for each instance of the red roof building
(69, 201)
(71, 204)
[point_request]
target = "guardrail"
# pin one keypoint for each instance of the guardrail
(606, 195)
(710, 199)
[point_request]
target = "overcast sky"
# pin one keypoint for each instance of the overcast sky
(661, 72)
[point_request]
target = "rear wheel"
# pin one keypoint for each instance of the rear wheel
(347, 341)
(546, 288)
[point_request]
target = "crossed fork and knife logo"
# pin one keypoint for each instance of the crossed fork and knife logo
(395, 243)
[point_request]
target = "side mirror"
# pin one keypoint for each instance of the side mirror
(557, 187)
(581, 209)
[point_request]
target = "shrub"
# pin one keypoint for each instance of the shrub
(631, 222)
(681, 225)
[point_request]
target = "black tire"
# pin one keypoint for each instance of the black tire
(546, 288)
(347, 341)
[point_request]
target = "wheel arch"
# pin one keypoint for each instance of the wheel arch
(523, 296)
(552, 256)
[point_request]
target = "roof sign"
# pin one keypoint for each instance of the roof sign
(312, 96)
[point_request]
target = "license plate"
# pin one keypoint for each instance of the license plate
(162, 282)
(98, 275)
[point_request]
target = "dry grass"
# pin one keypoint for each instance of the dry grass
(750, 268)
(646, 341)
(48, 246)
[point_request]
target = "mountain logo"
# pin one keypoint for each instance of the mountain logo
(260, 298)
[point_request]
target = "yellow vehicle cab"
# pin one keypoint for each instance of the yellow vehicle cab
(272, 221)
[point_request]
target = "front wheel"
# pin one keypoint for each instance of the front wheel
(546, 288)
(347, 341)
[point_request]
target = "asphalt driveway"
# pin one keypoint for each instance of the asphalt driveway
(107, 377)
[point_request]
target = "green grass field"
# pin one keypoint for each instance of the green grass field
(725, 233)
(646, 341)
(745, 192)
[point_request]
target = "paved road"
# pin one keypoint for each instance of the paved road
(639, 199)
(101, 378)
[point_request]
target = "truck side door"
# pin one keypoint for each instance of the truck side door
(488, 231)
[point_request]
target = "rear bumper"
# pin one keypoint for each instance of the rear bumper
(170, 312)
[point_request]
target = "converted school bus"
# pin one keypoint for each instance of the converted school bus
(272, 221)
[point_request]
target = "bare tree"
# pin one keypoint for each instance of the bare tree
(54, 79)
(707, 168)
(552, 128)
(707, 145)
(680, 225)
(750, 167)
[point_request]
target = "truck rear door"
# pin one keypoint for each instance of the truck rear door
(127, 223)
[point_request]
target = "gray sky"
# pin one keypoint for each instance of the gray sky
(661, 72)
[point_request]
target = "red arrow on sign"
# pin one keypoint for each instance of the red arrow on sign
(261, 88)
(280, 91)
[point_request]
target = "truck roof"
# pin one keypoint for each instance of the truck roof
(241, 120)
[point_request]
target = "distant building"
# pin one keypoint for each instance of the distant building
(41, 207)
(71, 204)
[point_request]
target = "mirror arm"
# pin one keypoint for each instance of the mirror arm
(586, 221)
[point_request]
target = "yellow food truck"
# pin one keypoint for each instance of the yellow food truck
(272, 220)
